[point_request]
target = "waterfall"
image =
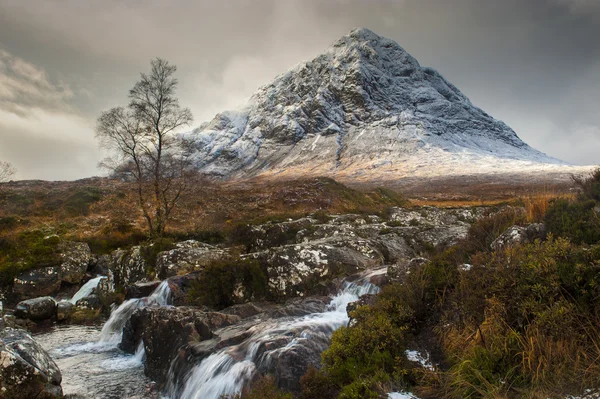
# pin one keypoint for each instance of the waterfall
(225, 372)
(113, 328)
(86, 289)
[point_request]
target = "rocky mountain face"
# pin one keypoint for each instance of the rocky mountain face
(363, 110)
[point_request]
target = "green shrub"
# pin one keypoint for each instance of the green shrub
(576, 220)
(590, 186)
(263, 388)
(150, 250)
(225, 283)
(317, 385)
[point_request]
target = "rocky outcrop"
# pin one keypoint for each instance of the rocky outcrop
(517, 235)
(74, 260)
(36, 309)
(188, 256)
(26, 369)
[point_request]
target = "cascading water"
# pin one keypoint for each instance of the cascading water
(86, 289)
(89, 359)
(226, 371)
(113, 328)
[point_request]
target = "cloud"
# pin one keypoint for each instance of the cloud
(40, 132)
(23, 85)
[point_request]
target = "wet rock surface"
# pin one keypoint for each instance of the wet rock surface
(26, 369)
(165, 331)
(38, 309)
(141, 289)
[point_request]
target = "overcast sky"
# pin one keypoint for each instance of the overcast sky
(534, 64)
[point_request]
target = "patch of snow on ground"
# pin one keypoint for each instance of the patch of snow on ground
(418, 357)
(401, 395)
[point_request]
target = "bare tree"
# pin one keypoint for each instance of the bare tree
(7, 170)
(147, 150)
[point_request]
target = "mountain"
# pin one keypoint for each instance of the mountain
(364, 110)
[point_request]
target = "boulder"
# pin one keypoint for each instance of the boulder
(36, 309)
(26, 369)
(126, 267)
(188, 256)
(166, 330)
(179, 286)
(75, 258)
(43, 281)
(141, 289)
(63, 310)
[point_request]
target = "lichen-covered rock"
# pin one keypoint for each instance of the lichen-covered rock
(516, 235)
(71, 269)
(188, 256)
(299, 269)
(26, 369)
(37, 282)
(126, 267)
(36, 309)
(75, 258)
(63, 310)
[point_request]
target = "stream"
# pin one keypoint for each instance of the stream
(93, 366)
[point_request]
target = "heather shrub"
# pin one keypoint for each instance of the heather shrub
(224, 283)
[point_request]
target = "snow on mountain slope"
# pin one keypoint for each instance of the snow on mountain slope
(364, 109)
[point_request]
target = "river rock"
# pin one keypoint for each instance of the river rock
(73, 264)
(63, 310)
(165, 330)
(180, 285)
(26, 369)
(36, 309)
(42, 281)
(141, 289)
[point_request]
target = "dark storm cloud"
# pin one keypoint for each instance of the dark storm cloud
(534, 64)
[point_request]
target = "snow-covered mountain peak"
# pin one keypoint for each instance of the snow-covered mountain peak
(364, 108)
